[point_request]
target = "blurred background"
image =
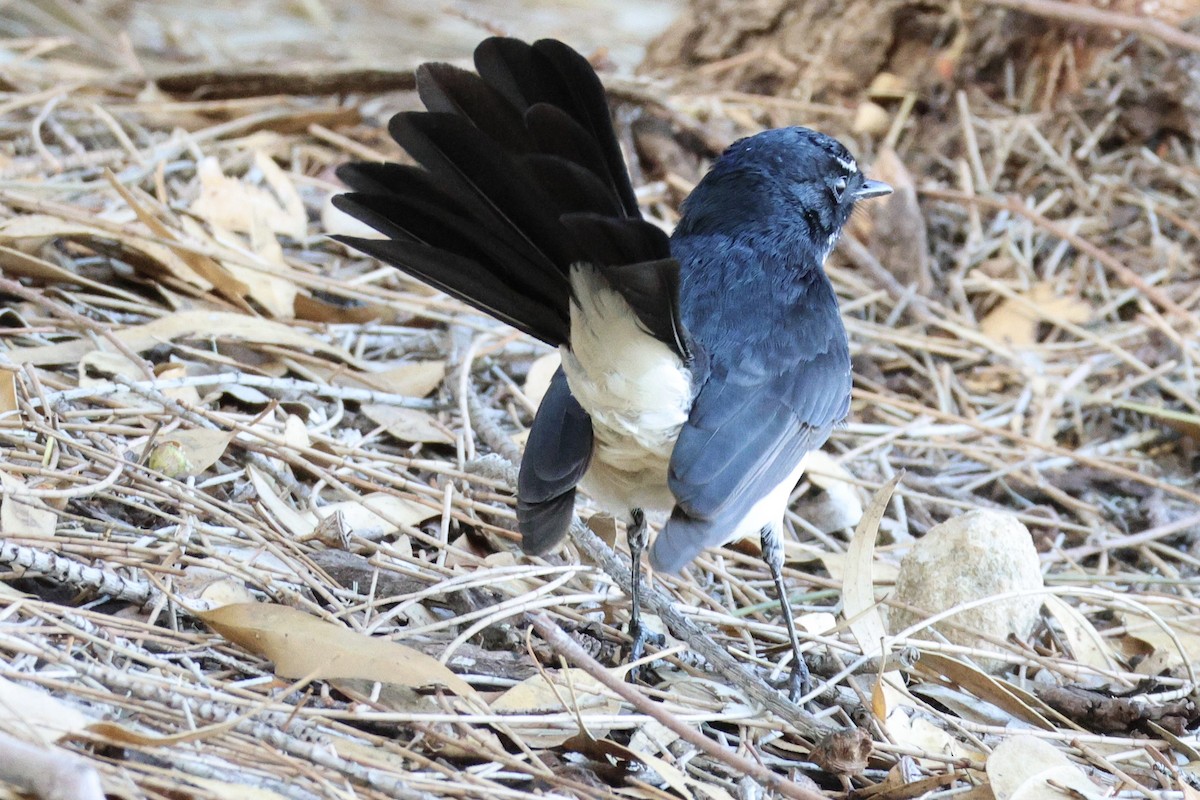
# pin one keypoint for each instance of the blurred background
(374, 33)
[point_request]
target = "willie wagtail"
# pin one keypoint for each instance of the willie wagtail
(697, 370)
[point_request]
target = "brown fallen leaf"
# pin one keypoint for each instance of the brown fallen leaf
(14, 262)
(21, 514)
(183, 453)
(8, 390)
(1169, 643)
(1015, 323)
(238, 204)
(570, 689)
(377, 514)
(414, 379)
(151, 258)
(1087, 645)
(1028, 768)
(35, 715)
(303, 646)
(408, 424)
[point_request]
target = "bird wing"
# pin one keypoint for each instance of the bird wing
(751, 423)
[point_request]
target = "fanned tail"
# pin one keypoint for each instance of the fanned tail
(520, 176)
(519, 181)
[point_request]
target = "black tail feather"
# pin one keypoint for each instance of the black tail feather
(591, 110)
(447, 89)
(488, 292)
(555, 132)
(520, 176)
(573, 189)
(551, 73)
(473, 166)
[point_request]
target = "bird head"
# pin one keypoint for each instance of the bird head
(783, 180)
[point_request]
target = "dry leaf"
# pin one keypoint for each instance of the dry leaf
(8, 390)
(1003, 695)
(203, 589)
(15, 262)
(299, 524)
(34, 715)
(151, 258)
(174, 371)
(1152, 640)
(413, 379)
(671, 775)
(183, 453)
(377, 514)
(21, 514)
(1023, 767)
(1087, 645)
(883, 573)
(1015, 323)
(858, 589)
(303, 646)
(408, 424)
(295, 433)
(239, 278)
(100, 366)
(582, 693)
(239, 205)
(911, 729)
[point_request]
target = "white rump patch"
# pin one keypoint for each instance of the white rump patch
(636, 390)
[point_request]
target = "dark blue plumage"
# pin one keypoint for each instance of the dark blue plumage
(697, 370)
(751, 244)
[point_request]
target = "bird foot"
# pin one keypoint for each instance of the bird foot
(641, 637)
(800, 681)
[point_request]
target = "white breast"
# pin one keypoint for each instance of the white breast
(636, 390)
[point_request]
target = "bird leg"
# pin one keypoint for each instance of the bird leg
(772, 550)
(637, 533)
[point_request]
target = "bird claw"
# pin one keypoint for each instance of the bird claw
(799, 682)
(641, 637)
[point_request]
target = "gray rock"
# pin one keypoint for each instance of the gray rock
(978, 554)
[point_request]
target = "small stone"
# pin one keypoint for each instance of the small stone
(871, 118)
(887, 85)
(976, 555)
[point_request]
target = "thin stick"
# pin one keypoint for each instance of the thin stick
(559, 640)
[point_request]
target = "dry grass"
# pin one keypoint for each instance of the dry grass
(203, 396)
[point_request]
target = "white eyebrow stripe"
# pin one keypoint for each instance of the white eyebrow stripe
(847, 165)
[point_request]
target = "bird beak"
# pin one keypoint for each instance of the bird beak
(870, 188)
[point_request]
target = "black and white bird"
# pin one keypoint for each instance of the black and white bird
(697, 369)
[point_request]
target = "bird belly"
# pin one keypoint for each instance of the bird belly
(636, 390)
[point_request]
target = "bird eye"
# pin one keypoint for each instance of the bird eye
(838, 187)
